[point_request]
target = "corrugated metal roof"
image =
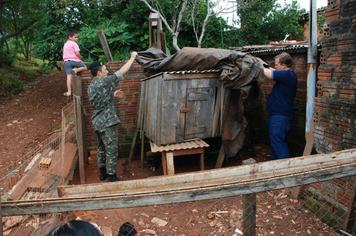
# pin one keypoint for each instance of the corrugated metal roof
(274, 47)
(179, 146)
(191, 72)
(184, 72)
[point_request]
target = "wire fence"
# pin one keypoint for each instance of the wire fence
(43, 168)
(256, 199)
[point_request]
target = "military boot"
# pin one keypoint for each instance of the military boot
(113, 178)
(103, 174)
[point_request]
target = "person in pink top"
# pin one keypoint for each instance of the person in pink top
(72, 59)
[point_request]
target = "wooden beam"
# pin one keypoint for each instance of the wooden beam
(249, 209)
(105, 45)
(202, 185)
(307, 151)
(83, 157)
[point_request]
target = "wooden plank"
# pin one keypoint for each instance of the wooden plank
(217, 111)
(138, 125)
(77, 89)
(221, 157)
(105, 45)
(170, 163)
(307, 151)
(279, 169)
(61, 167)
(201, 102)
(249, 209)
(133, 144)
(339, 165)
(38, 181)
(21, 187)
(164, 163)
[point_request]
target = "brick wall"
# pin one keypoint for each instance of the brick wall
(335, 105)
(335, 109)
(125, 107)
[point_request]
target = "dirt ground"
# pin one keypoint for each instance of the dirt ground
(32, 116)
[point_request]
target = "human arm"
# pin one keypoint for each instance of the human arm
(77, 53)
(268, 72)
(125, 68)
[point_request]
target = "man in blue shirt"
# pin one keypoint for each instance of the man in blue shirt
(280, 104)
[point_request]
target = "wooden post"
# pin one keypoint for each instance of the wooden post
(142, 145)
(307, 151)
(249, 208)
(105, 45)
(77, 90)
(1, 233)
(221, 157)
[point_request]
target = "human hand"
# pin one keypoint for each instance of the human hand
(119, 93)
(133, 54)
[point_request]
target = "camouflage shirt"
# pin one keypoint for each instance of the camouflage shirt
(101, 97)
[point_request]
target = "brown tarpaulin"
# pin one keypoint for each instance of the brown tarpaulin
(238, 72)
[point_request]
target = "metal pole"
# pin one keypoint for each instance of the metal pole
(312, 59)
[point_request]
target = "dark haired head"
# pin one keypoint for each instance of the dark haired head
(284, 58)
(95, 67)
(127, 229)
(71, 33)
(76, 228)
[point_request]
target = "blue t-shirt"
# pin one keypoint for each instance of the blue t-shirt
(281, 99)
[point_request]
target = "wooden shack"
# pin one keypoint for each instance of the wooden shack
(179, 106)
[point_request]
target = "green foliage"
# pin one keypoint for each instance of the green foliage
(266, 21)
(10, 84)
(17, 20)
(116, 35)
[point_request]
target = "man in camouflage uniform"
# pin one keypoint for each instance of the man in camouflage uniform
(101, 92)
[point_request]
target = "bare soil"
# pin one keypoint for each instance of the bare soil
(32, 116)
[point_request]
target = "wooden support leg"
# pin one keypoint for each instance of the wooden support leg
(164, 163)
(202, 161)
(142, 145)
(133, 145)
(221, 157)
(170, 163)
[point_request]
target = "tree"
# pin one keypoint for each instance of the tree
(178, 14)
(16, 17)
(265, 21)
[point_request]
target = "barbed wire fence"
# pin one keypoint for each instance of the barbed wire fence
(256, 199)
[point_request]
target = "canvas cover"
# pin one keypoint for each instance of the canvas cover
(240, 73)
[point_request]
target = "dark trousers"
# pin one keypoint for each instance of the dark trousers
(279, 126)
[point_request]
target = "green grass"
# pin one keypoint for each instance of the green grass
(19, 75)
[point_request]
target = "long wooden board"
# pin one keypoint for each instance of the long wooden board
(209, 184)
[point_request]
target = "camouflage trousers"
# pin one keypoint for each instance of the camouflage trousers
(108, 151)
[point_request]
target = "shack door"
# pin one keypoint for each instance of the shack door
(200, 103)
